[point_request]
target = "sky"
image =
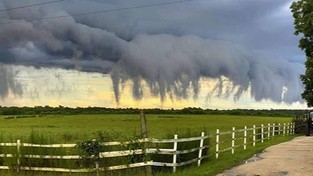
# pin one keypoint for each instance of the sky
(216, 54)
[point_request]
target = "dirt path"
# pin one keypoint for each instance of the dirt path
(294, 158)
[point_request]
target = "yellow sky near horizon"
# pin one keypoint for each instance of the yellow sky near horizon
(71, 88)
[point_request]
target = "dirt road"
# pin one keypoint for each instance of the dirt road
(293, 158)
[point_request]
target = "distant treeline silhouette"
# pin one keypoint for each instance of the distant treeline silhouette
(47, 110)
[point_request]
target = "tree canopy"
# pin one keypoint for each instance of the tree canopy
(302, 11)
(40, 111)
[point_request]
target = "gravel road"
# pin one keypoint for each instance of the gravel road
(293, 158)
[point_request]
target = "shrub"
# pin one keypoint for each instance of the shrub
(300, 124)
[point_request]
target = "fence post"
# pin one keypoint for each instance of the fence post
(175, 155)
(262, 133)
(217, 143)
(97, 168)
(253, 135)
(284, 129)
(274, 126)
(290, 129)
(144, 135)
(288, 132)
(279, 129)
(18, 161)
(233, 141)
(268, 131)
(200, 150)
(245, 138)
(293, 128)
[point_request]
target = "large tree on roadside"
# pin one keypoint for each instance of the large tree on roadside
(302, 11)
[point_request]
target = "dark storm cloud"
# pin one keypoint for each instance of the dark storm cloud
(170, 47)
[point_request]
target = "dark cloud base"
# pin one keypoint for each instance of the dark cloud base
(169, 49)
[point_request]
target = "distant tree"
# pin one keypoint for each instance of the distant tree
(302, 11)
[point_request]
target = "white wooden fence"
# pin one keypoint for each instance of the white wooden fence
(264, 132)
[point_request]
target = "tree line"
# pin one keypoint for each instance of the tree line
(47, 110)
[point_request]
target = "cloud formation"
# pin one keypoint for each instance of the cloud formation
(166, 47)
(172, 65)
(8, 82)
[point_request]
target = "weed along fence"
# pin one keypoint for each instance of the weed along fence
(94, 156)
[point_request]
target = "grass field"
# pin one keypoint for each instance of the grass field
(72, 128)
(209, 168)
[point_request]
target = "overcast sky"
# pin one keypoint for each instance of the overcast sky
(207, 53)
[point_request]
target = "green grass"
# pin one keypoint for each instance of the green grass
(72, 128)
(210, 167)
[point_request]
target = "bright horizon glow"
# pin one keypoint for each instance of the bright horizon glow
(72, 88)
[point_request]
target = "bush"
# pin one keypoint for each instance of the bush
(300, 124)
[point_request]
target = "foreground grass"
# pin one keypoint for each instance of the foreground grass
(73, 128)
(210, 167)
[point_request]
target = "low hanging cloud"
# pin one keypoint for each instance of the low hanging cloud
(8, 82)
(171, 63)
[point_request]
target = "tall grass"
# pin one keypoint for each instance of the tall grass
(36, 137)
(40, 138)
(88, 162)
(182, 133)
(60, 132)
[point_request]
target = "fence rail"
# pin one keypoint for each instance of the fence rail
(265, 133)
(234, 139)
